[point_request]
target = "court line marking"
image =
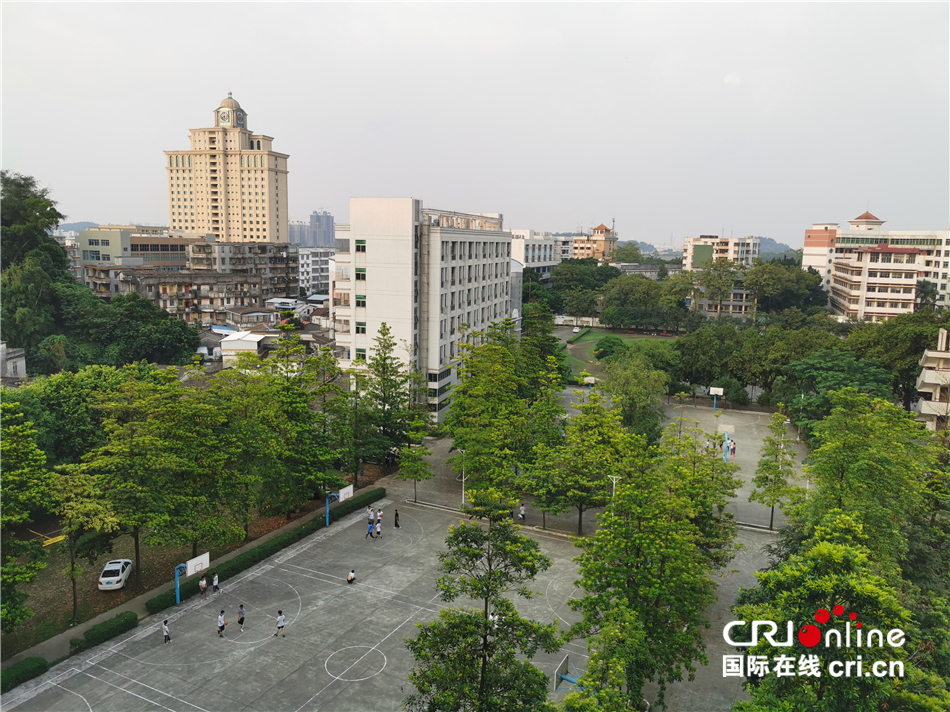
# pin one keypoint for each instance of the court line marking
(74, 693)
(349, 679)
(129, 692)
(361, 586)
(378, 643)
(153, 689)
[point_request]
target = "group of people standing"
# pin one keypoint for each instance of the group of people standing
(374, 523)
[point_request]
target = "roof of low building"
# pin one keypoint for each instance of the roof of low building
(867, 216)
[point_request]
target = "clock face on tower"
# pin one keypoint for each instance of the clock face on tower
(240, 117)
(224, 115)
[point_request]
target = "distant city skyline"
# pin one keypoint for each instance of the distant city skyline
(684, 119)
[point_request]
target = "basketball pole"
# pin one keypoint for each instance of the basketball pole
(179, 570)
(330, 498)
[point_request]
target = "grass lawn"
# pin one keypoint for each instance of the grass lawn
(597, 335)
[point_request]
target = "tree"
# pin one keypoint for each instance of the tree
(636, 390)
(26, 217)
(628, 252)
(614, 677)
(926, 295)
(609, 347)
(79, 503)
(582, 303)
(574, 474)
(833, 570)
(412, 460)
(870, 460)
(537, 347)
(823, 372)
(487, 419)
(479, 660)
(25, 483)
(733, 390)
(718, 279)
(389, 388)
(775, 468)
(644, 557)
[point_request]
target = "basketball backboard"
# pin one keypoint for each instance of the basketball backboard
(715, 391)
(346, 493)
(565, 675)
(199, 563)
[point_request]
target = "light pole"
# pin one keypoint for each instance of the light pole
(463, 475)
(613, 478)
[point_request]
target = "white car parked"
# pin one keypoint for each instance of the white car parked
(115, 574)
(577, 329)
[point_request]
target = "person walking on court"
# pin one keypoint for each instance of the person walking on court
(369, 531)
(214, 583)
(351, 577)
(733, 448)
(521, 511)
(280, 625)
(379, 529)
(370, 515)
(221, 624)
(168, 638)
(203, 586)
(241, 617)
(396, 519)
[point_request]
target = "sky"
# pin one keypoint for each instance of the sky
(672, 119)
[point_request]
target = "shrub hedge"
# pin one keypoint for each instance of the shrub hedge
(578, 335)
(20, 672)
(249, 558)
(104, 631)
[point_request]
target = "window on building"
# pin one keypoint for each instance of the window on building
(360, 354)
(361, 245)
(361, 300)
(361, 327)
(361, 274)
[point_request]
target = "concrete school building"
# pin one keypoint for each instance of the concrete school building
(429, 274)
(870, 273)
(933, 385)
(698, 251)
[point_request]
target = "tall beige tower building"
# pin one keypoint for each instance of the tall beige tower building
(230, 183)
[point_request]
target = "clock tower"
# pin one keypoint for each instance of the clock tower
(230, 115)
(231, 183)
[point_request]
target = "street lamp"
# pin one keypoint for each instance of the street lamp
(463, 475)
(613, 478)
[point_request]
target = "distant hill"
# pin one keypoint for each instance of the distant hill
(77, 226)
(645, 247)
(770, 246)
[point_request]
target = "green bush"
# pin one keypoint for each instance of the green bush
(578, 335)
(107, 630)
(249, 558)
(20, 672)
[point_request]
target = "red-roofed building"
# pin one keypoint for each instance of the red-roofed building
(601, 244)
(851, 263)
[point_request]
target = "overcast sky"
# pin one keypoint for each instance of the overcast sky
(670, 118)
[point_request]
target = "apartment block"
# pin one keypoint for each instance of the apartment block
(538, 251)
(106, 250)
(318, 232)
(315, 269)
(600, 244)
(699, 251)
(200, 297)
(832, 252)
(277, 263)
(709, 248)
(230, 182)
(428, 274)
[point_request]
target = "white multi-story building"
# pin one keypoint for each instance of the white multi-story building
(698, 251)
(933, 385)
(315, 269)
(428, 274)
(538, 251)
(566, 247)
(705, 248)
(831, 252)
(229, 183)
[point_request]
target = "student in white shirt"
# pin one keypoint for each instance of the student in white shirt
(351, 577)
(280, 625)
(221, 624)
(168, 638)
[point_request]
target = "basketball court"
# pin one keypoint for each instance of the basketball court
(344, 647)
